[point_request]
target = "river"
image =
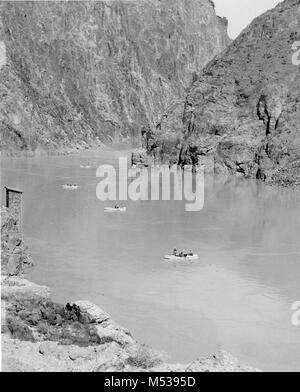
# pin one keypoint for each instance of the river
(237, 297)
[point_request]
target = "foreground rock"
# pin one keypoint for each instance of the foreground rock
(242, 115)
(39, 335)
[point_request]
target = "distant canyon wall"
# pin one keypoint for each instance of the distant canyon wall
(242, 115)
(91, 72)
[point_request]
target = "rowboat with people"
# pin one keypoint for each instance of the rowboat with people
(115, 209)
(71, 186)
(190, 256)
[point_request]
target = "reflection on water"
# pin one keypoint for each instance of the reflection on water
(237, 297)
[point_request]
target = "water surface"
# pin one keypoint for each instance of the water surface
(237, 297)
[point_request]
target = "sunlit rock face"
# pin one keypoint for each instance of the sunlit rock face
(83, 73)
(243, 112)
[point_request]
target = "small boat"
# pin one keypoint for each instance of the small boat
(115, 209)
(71, 187)
(181, 258)
(85, 167)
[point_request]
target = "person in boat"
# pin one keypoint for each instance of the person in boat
(117, 207)
(181, 254)
(175, 252)
(191, 253)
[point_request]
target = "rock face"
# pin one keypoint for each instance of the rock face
(222, 362)
(87, 72)
(243, 112)
(15, 258)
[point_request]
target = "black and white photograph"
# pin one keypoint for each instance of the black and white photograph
(150, 189)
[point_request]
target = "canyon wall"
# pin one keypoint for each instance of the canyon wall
(90, 72)
(242, 115)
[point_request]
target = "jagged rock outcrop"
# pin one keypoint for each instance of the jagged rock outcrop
(40, 335)
(87, 72)
(15, 257)
(243, 112)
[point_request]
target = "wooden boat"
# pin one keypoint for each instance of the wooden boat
(71, 187)
(181, 258)
(115, 209)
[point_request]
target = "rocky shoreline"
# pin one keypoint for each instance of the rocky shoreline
(43, 336)
(69, 150)
(280, 179)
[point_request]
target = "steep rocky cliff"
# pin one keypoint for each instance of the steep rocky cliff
(83, 72)
(242, 115)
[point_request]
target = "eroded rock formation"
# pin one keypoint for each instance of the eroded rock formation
(39, 335)
(15, 258)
